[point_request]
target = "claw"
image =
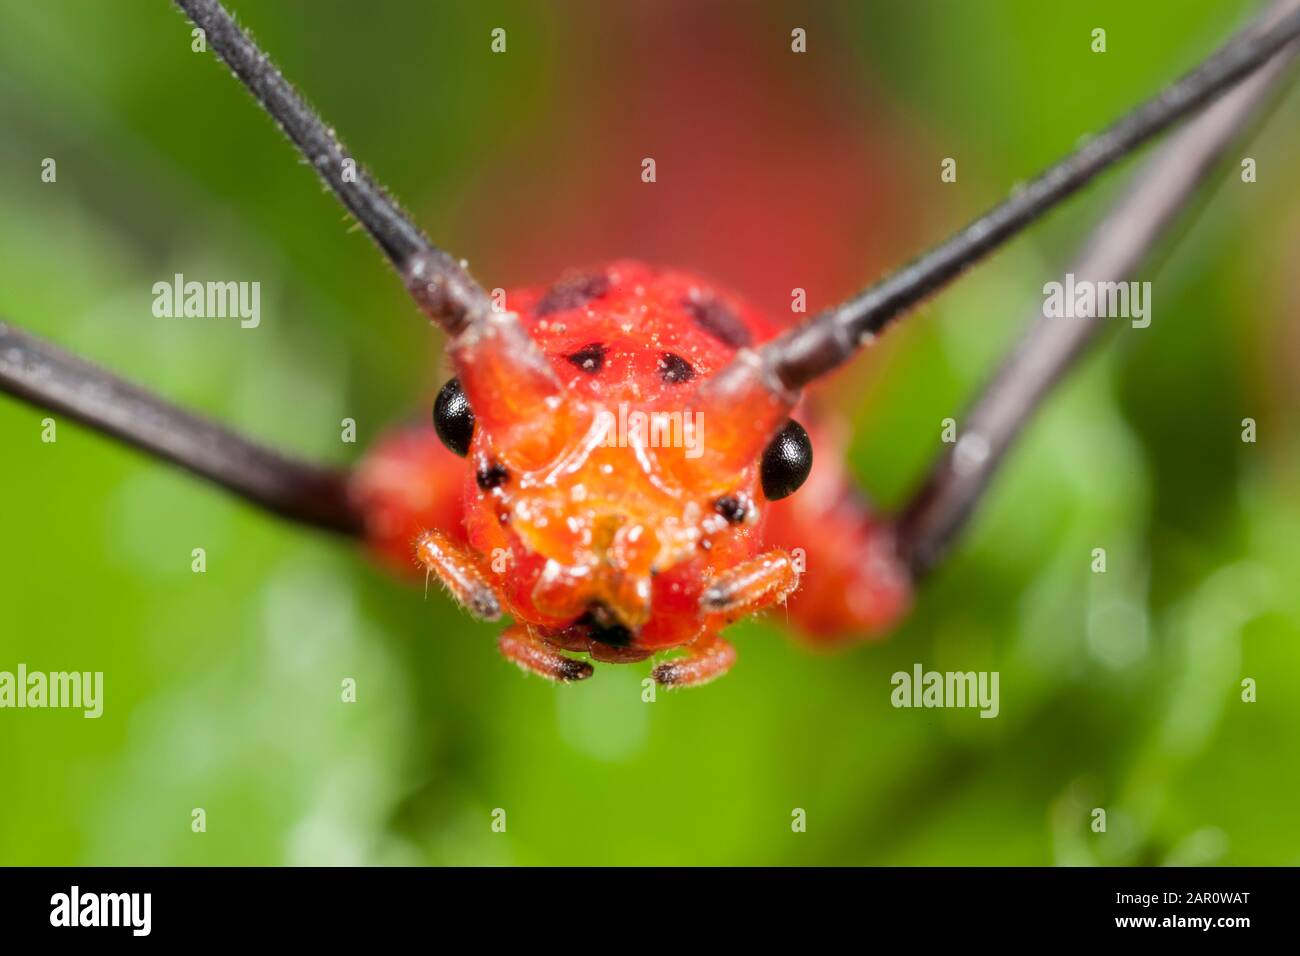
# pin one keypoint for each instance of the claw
(701, 664)
(533, 654)
(459, 570)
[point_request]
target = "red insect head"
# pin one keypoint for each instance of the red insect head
(623, 450)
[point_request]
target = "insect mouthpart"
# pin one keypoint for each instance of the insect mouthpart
(600, 623)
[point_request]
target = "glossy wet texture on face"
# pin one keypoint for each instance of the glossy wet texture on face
(535, 497)
(612, 538)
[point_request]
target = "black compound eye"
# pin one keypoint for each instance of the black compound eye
(786, 461)
(453, 418)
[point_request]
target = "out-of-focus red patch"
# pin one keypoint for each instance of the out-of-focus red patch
(407, 483)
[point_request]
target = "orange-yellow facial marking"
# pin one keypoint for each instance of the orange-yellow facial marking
(621, 513)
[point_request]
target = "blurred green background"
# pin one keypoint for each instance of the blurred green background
(1118, 690)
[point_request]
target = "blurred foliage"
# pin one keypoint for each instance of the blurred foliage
(1119, 690)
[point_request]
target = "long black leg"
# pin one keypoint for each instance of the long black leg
(832, 337)
(439, 284)
(50, 378)
(1123, 239)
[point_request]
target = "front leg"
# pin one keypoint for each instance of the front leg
(751, 586)
(707, 659)
(748, 587)
(458, 568)
(520, 644)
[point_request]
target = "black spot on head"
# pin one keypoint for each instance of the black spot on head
(589, 358)
(733, 509)
(492, 475)
(571, 292)
(675, 369)
(718, 320)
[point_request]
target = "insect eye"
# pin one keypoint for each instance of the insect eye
(786, 461)
(453, 418)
